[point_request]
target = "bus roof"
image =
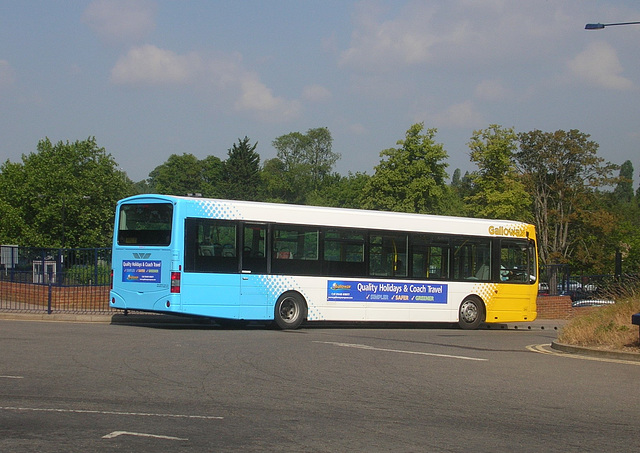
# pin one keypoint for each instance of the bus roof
(337, 217)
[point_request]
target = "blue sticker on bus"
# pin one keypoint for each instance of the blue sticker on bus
(369, 291)
(142, 271)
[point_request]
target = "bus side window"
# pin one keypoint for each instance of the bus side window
(254, 246)
(388, 255)
(429, 257)
(344, 253)
(471, 259)
(296, 250)
(210, 246)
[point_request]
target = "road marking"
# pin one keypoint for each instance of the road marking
(127, 433)
(11, 377)
(371, 348)
(85, 411)
(546, 349)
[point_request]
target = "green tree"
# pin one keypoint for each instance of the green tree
(320, 155)
(340, 191)
(305, 162)
(242, 172)
(277, 187)
(623, 193)
(498, 191)
(410, 178)
(212, 169)
(626, 235)
(561, 171)
(179, 175)
(62, 195)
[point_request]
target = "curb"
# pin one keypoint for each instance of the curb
(619, 355)
(116, 318)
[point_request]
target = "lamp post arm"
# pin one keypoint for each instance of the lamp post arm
(599, 26)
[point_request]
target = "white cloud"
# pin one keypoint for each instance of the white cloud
(463, 115)
(491, 90)
(7, 74)
(121, 20)
(385, 44)
(256, 97)
(150, 65)
(457, 33)
(357, 129)
(598, 65)
(316, 93)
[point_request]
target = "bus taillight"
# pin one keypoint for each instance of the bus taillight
(175, 282)
(111, 279)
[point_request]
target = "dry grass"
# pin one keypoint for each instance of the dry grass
(607, 327)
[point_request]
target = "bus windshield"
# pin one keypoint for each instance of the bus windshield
(145, 224)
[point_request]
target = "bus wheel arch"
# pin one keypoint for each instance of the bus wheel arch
(472, 312)
(290, 310)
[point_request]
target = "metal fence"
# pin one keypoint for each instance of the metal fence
(38, 280)
(585, 290)
(55, 280)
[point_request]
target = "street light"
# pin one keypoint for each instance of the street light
(601, 26)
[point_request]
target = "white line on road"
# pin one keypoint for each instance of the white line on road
(127, 433)
(84, 411)
(546, 349)
(11, 377)
(363, 346)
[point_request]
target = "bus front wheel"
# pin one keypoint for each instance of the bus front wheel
(471, 313)
(290, 311)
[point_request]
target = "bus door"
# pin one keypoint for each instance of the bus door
(517, 276)
(254, 291)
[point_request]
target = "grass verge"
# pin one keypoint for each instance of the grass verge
(607, 327)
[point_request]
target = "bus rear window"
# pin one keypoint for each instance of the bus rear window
(145, 224)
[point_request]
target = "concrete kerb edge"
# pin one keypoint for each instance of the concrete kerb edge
(116, 318)
(584, 350)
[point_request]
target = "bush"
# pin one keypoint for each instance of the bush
(87, 274)
(609, 326)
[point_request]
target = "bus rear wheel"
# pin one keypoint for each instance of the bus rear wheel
(290, 311)
(471, 313)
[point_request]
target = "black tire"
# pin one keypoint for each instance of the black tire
(290, 311)
(471, 313)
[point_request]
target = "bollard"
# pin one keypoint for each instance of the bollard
(635, 319)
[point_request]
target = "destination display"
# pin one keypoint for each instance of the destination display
(372, 291)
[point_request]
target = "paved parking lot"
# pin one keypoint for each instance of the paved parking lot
(98, 386)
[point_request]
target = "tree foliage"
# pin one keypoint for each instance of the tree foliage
(62, 195)
(623, 193)
(241, 171)
(561, 171)
(179, 175)
(410, 178)
(305, 162)
(497, 189)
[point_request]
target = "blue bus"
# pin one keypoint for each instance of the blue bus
(242, 261)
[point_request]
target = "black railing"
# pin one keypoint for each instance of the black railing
(55, 280)
(557, 280)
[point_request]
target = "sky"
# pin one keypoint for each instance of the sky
(151, 78)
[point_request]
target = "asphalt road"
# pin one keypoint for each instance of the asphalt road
(73, 387)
